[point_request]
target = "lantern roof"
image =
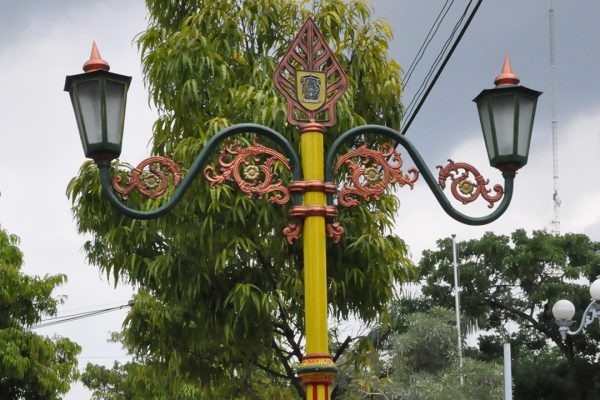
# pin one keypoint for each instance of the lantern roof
(95, 63)
(507, 76)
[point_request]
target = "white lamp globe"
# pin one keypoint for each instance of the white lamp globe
(595, 290)
(563, 310)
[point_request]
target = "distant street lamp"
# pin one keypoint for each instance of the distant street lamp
(564, 311)
(312, 81)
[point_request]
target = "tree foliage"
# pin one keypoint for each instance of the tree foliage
(514, 281)
(141, 381)
(417, 360)
(31, 366)
(220, 289)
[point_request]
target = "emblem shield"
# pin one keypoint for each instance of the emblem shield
(311, 89)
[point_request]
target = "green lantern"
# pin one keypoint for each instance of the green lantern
(506, 113)
(98, 99)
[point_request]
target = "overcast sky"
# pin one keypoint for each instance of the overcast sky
(42, 41)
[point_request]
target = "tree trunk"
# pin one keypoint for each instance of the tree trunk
(576, 388)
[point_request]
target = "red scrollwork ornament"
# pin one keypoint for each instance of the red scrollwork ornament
(252, 169)
(335, 231)
(370, 171)
(152, 182)
(293, 232)
(463, 188)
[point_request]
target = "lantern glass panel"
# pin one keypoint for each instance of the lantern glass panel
(526, 110)
(78, 119)
(484, 116)
(114, 111)
(504, 122)
(89, 101)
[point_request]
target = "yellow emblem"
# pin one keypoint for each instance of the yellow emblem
(310, 89)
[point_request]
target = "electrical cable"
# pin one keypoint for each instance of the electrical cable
(77, 314)
(430, 35)
(436, 62)
(93, 306)
(426, 80)
(74, 317)
(441, 68)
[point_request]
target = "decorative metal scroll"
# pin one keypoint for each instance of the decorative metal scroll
(370, 172)
(293, 232)
(335, 231)
(152, 182)
(310, 78)
(252, 169)
(468, 190)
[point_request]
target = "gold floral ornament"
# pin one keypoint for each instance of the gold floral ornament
(372, 175)
(252, 168)
(310, 78)
(251, 172)
(466, 187)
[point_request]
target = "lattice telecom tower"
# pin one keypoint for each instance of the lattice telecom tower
(555, 198)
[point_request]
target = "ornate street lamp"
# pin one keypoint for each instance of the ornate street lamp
(506, 113)
(564, 311)
(312, 81)
(98, 99)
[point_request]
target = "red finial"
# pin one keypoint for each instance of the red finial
(95, 63)
(507, 77)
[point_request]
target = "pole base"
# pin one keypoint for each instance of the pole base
(317, 372)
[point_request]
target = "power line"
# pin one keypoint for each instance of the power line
(430, 35)
(442, 66)
(93, 306)
(438, 58)
(60, 317)
(74, 317)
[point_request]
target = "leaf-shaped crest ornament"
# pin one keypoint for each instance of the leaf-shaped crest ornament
(310, 78)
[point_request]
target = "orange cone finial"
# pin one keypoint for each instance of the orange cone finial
(506, 77)
(95, 63)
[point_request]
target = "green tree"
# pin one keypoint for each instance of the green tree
(141, 381)
(31, 366)
(516, 280)
(135, 381)
(415, 358)
(221, 291)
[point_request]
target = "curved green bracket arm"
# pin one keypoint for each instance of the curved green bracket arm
(423, 169)
(196, 168)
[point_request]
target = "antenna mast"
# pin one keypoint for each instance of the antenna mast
(555, 198)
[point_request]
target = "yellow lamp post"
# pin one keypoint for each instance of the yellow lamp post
(312, 81)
